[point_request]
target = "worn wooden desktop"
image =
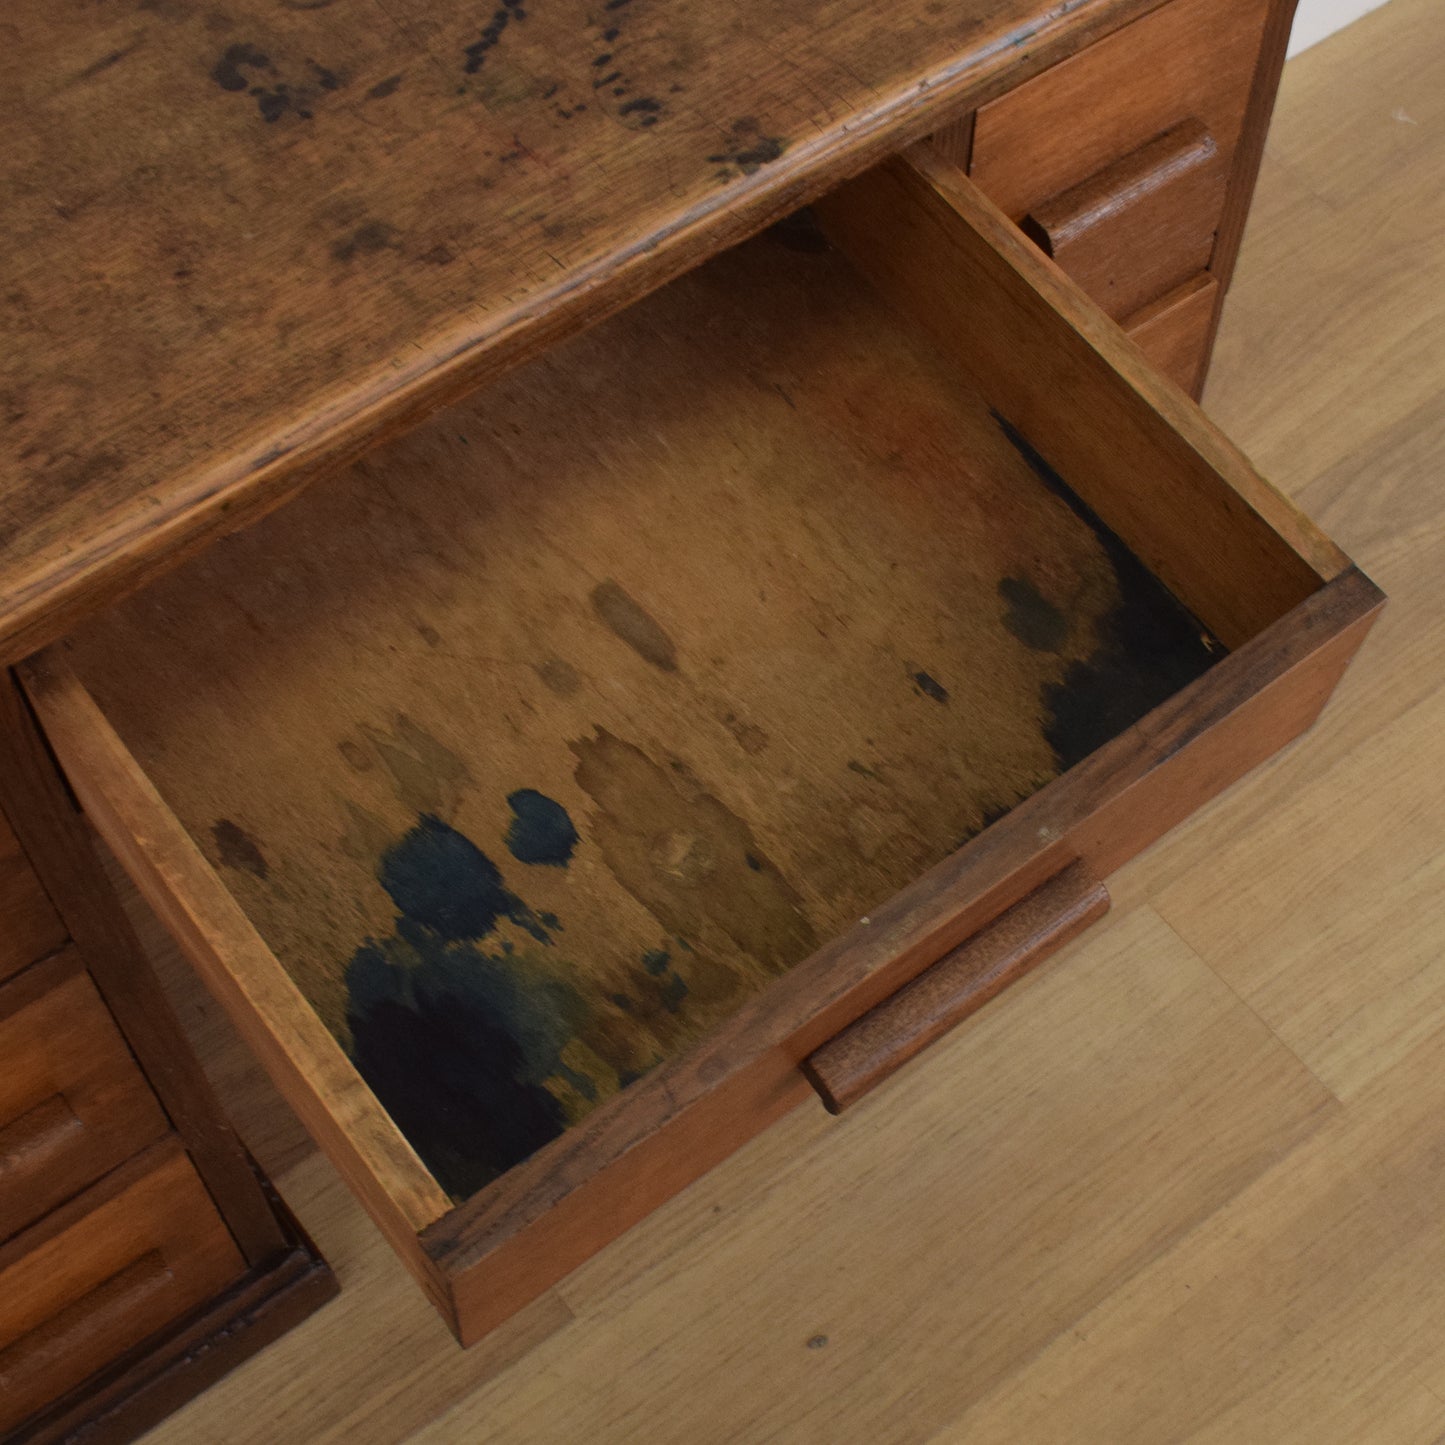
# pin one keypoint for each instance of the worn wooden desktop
(256, 243)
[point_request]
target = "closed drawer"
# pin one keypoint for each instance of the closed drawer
(1116, 160)
(73, 1103)
(540, 795)
(131, 1255)
(29, 925)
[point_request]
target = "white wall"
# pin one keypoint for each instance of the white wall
(1317, 18)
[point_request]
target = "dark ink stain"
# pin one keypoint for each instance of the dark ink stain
(366, 240)
(541, 831)
(645, 104)
(1150, 645)
(930, 687)
(476, 53)
(854, 766)
(688, 859)
(429, 634)
(384, 88)
(749, 150)
(238, 849)
(458, 1044)
(1031, 617)
(326, 79)
(439, 878)
(272, 104)
(227, 70)
(611, 33)
(674, 991)
(656, 960)
(634, 625)
(603, 59)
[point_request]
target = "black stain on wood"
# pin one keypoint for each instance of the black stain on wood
(458, 1044)
(236, 848)
(384, 88)
(1031, 617)
(1149, 644)
(227, 70)
(748, 148)
(439, 878)
(541, 831)
(475, 55)
(929, 686)
(634, 625)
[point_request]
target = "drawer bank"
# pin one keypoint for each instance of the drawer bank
(703, 716)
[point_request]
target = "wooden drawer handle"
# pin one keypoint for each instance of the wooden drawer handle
(95, 1314)
(37, 1136)
(959, 984)
(1142, 224)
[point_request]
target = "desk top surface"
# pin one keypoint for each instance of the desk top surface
(247, 237)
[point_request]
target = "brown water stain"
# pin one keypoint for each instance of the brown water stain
(429, 776)
(634, 625)
(688, 859)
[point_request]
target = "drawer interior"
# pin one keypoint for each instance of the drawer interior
(543, 739)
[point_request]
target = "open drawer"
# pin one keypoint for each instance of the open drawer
(551, 796)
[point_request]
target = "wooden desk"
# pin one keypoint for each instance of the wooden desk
(257, 243)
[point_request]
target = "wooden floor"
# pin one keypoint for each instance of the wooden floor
(1185, 1183)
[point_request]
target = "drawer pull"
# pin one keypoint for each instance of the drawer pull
(66, 1334)
(870, 1049)
(38, 1136)
(1140, 226)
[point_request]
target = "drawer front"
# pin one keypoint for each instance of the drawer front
(465, 990)
(30, 928)
(73, 1103)
(112, 1267)
(1126, 148)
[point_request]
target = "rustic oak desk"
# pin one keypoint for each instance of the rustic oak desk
(746, 597)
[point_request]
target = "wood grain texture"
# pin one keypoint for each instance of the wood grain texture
(54, 835)
(853, 1063)
(1191, 59)
(1167, 1261)
(1140, 226)
(586, 802)
(30, 928)
(112, 1266)
(390, 208)
(1174, 332)
(73, 1103)
(1235, 551)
